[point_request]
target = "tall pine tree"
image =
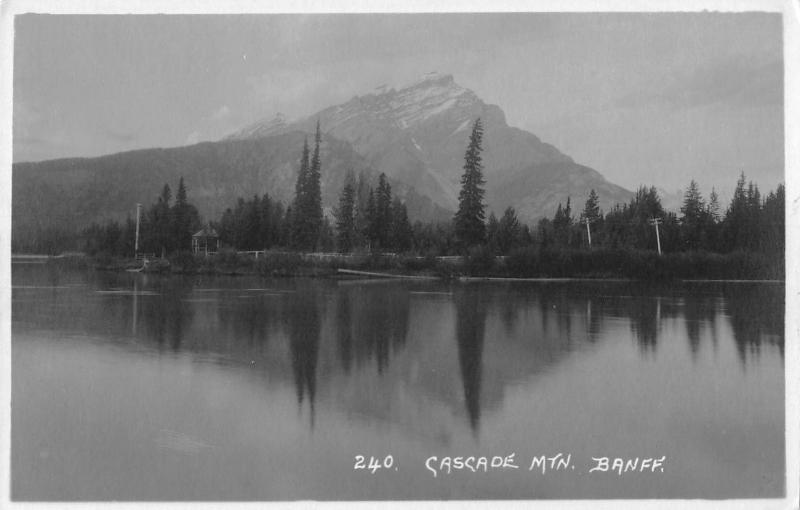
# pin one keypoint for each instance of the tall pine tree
(383, 212)
(185, 219)
(345, 216)
(591, 210)
(300, 198)
(693, 217)
(469, 219)
(315, 191)
(307, 208)
(402, 236)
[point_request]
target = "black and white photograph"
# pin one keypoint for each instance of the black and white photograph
(516, 254)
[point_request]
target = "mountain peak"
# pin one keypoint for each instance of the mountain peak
(432, 78)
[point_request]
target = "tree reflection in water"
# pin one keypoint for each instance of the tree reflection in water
(757, 316)
(167, 315)
(303, 325)
(372, 322)
(470, 327)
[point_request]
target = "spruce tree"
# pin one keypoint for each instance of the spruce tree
(266, 234)
(562, 223)
(180, 219)
(163, 222)
(185, 219)
(693, 217)
(308, 199)
(508, 231)
(591, 210)
(345, 217)
(370, 220)
(402, 235)
(315, 192)
(492, 227)
(469, 219)
(713, 206)
(383, 212)
(300, 198)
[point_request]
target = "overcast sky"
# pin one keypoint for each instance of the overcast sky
(642, 98)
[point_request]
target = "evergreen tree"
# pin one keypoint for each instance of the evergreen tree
(159, 222)
(492, 225)
(545, 232)
(288, 228)
(508, 231)
(327, 237)
(281, 225)
(302, 176)
(383, 212)
(315, 191)
(693, 217)
(227, 228)
(185, 219)
(562, 224)
(266, 234)
(644, 206)
(251, 227)
(742, 223)
(469, 219)
(298, 231)
(345, 217)
(370, 220)
(308, 202)
(713, 206)
(402, 236)
(773, 222)
(591, 210)
(591, 214)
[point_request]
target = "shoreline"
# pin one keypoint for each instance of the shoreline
(392, 267)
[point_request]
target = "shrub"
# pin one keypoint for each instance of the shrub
(479, 261)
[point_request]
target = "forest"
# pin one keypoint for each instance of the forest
(636, 239)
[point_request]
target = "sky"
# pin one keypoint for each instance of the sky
(648, 98)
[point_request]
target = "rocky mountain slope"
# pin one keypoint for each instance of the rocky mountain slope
(418, 135)
(71, 193)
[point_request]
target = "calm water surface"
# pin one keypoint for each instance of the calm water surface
(140, 387)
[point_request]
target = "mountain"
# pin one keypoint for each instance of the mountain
(69, 194)
(418, 135)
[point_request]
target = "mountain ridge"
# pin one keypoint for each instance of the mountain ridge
(417, 134)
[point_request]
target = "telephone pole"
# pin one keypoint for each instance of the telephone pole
(588, 232)
(136, 242)
(656, 222)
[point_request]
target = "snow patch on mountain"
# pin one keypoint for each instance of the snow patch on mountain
(464, 125)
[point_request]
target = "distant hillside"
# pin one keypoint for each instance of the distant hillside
(72, 193)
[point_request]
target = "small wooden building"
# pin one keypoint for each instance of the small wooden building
(205, 241)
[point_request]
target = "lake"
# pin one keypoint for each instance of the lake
(145, 387)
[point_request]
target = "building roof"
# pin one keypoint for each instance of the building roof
(206, 232)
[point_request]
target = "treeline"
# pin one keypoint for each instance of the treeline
(164, 227)
(366, 218)
(750, 223)
(370, 219)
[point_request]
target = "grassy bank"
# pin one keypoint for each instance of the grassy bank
(523, 263)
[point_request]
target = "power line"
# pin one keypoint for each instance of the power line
(656, 222)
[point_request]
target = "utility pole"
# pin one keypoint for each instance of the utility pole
(136, 242)
(656, 222)
(588, 232)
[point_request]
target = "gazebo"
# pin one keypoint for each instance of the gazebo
(205, 241)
